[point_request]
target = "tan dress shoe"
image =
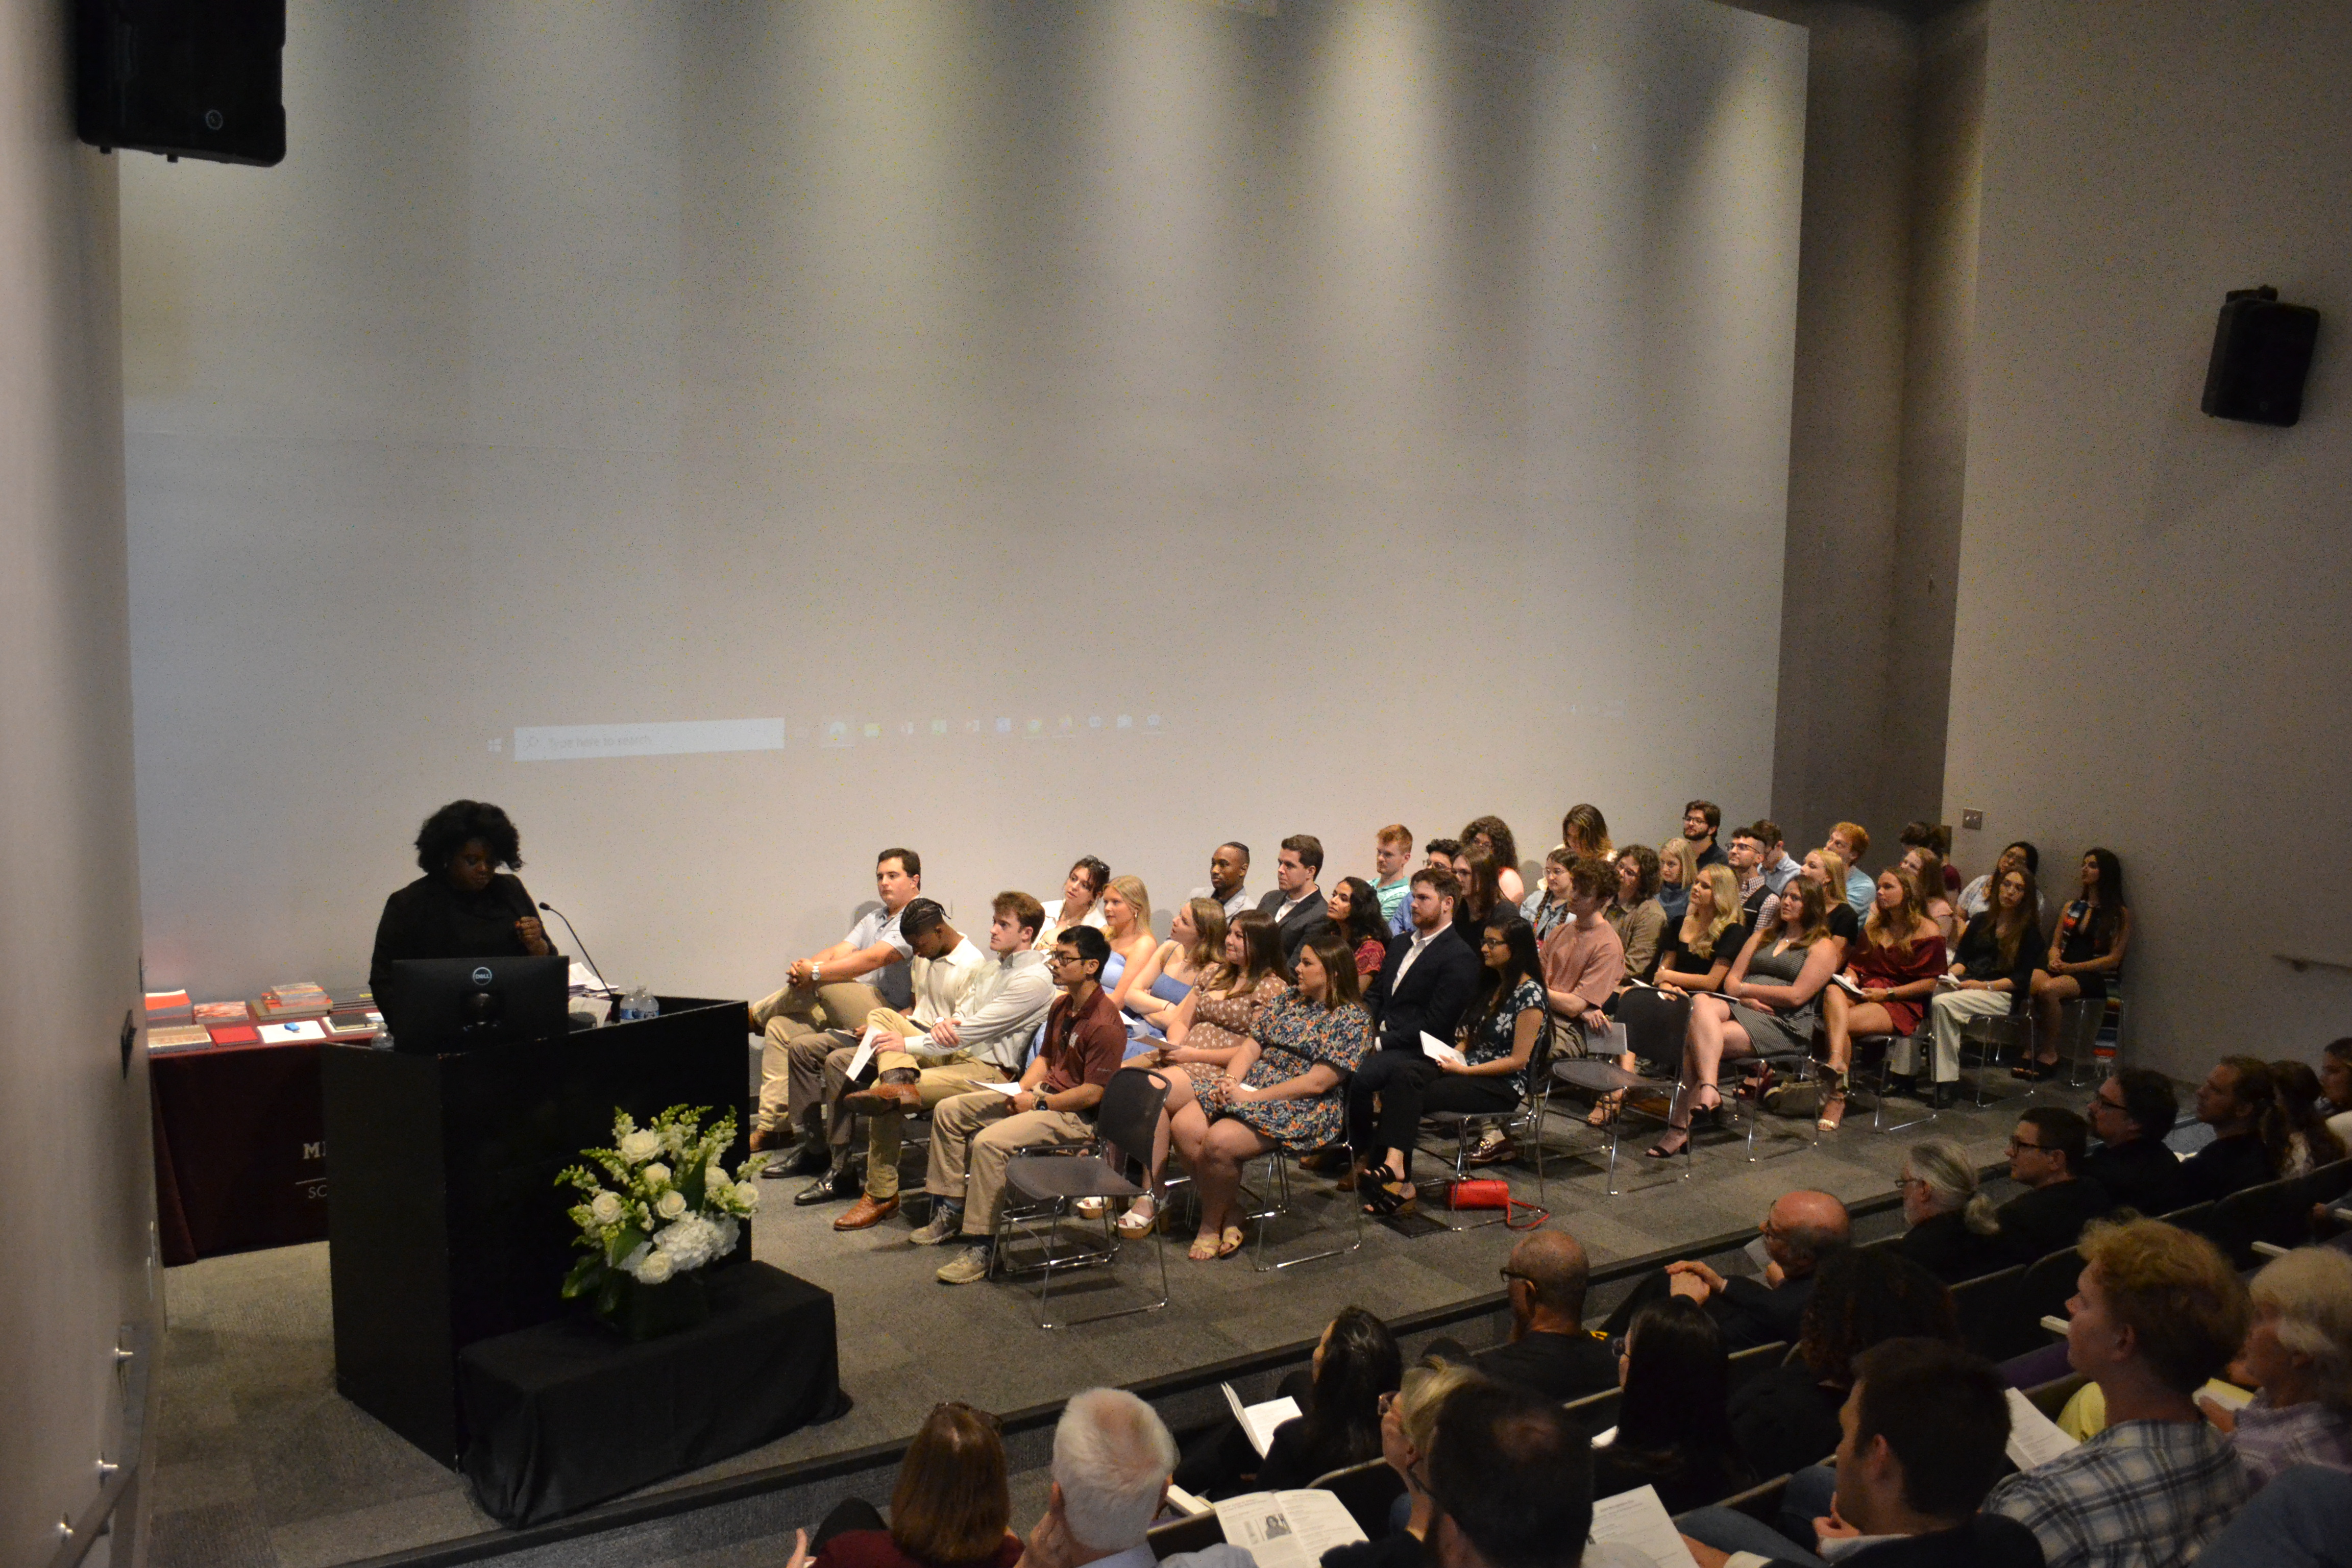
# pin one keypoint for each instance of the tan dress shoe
(865, 1213)
(884, 1097)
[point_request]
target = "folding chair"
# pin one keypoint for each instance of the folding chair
(1794, 1063)
(1277, 1203)
(1602, 1078)
(1993, 1036)
(1524, 1119)
(1113, 1165)
(1882, 1046)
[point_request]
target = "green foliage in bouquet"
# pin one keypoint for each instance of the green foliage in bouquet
(657, 1204)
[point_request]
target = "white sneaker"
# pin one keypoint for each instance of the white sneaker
(945, 1225)
(969, 1266)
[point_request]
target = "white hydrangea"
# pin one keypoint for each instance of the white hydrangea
(605, 1208)
(641, 1145)
(692, 1242)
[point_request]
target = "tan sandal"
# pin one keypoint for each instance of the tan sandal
(1204, 1248)
(1230, 1242)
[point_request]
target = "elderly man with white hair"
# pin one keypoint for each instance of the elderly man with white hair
(1112, 1458)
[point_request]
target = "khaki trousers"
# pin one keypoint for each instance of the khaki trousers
(793, 1023)
(1949, 1012)
(973, 1136)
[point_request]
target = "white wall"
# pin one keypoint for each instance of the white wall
(73, 1120)
(2150, 649)
(1361, 389)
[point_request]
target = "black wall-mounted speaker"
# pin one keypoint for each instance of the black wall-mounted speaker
(2262, 352)
(188, 79)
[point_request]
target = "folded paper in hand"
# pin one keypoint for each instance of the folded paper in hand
(1637, 1526)
(1287, 1530)
(1257, 1422)
(1437, 1050)
(2033, 1437)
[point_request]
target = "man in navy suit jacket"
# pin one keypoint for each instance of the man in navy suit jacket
(1425, 984)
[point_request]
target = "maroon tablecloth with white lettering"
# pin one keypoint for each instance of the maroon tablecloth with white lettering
(240, 1149)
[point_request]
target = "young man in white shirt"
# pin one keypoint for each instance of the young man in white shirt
(829, 989)
(982, 1038)
(944, 966)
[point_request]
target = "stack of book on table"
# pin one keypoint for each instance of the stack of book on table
(227, 1023)
(171, 1023)
(354, 1015)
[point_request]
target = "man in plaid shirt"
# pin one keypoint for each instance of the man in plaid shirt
(2157, 1311)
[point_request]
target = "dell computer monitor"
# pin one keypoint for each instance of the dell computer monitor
(438, 1006)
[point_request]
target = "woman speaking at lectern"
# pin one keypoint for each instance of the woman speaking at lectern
(463, 907)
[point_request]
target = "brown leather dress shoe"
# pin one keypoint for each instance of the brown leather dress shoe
(884, 1097)
(865, 1213)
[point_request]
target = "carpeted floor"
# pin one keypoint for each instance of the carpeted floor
(260, 1464)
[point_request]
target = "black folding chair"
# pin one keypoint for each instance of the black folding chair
(1114, 1164)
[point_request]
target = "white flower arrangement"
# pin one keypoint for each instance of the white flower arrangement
(658, 1204)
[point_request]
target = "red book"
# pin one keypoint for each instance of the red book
(235, 1035)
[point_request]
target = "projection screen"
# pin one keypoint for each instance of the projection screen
(738, 436)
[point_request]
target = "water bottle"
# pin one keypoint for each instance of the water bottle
(639, 1003)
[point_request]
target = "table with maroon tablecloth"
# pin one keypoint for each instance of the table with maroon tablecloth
(240, 1149)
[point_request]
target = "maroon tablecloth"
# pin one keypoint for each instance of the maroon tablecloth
(240, 1149)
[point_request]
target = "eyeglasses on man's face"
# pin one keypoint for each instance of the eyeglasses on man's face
(2017, 1146)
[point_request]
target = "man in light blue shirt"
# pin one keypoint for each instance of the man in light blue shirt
(1778, 867)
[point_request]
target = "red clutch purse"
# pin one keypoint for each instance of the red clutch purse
(1493, 1194)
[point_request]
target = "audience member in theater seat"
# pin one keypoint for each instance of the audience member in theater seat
(2086, 952)
(2155, 1312)
(1492, 835)
(1677, 873)
(1481, 895)
(1546, 909)
(1788, 1416)
(1745, 857)
(1392, 873)
(1354, 910)
(974, 1135)
(1080, 903)
(1701, 818)
(1549, 1351)
(1850, 841)
(1992, 974)
(1338, 1394)
(1497, 1045)
(1408, 1432)
(1770, 1004)
(1801, 1231)
(1584, 961)
(1778, 867)
(1285, 1089)
(944, 969)
(1112, 1462)
(1195, 946)
(1674, 1427)
(2298, 1353)
(1439, 853)
(1936, 838)
(1935, 901)
(2131, 1112)
(2310, 1142)
(2335, 1084)
(985, 1040)
(1921, 1439)
(2302, 1520)
(1893, 963)
(2046, 1155)
(1978, 895)
(2239, 1102)
(1423, 985)
(950, 1509)
(1937, 1181)
(1584, 831)
(1635, 913)
(1695, 954)
(1512, 1474)
(1295, 904)
(1126, 926)
(835, 989)
(1828, 867)
(1229, 866)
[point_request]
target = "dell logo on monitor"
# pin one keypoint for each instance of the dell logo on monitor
(482, 975)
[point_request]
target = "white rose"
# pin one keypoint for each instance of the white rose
(640, 1145)
(657, 1267)
(604, 1207)
(657, 1173)
(671, 1204)
(746, 1196)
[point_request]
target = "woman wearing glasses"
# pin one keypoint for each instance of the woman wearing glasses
(1408, 1428)
(1497, 1043)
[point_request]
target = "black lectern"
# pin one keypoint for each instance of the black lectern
(444, 1225)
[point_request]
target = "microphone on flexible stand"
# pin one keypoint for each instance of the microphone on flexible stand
(583, 946)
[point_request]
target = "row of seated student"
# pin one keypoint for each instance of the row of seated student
(1272, 1058)
(1888, 1437)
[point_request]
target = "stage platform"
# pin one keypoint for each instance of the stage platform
(260, 1464)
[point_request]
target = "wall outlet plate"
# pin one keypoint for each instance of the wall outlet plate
(1973, 821)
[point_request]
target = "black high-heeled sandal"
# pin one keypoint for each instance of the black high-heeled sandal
(1388, 1197)
(1658, 1150)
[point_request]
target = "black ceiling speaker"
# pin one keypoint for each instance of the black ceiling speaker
(193, 78)
(2262, 352)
